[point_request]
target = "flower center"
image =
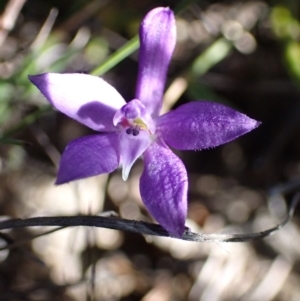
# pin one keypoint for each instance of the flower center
(134, 130)
(133, 117)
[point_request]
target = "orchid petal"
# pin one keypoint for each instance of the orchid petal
(163, 188)
(131, 148)
(89, 156)
(199, 125)
(85, 98)
(157, 39)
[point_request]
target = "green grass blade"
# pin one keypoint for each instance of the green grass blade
(119, 55)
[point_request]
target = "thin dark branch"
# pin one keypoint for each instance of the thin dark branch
(11, 244)
(16, 244)
(117, 223)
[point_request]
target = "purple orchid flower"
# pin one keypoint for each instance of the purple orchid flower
(134, 129)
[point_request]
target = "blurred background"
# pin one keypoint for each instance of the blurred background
(245, 54)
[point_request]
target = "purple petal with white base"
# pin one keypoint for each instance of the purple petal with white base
(163, 188)
(85, 98)
(199, 125)
(89, 156)
(131, 148)
(157, 39)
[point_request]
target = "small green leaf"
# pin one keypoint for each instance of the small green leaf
(292, 55)
(215, 53)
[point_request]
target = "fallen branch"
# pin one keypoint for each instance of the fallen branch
(140, 227)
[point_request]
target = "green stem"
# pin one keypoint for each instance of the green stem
(119, 55)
